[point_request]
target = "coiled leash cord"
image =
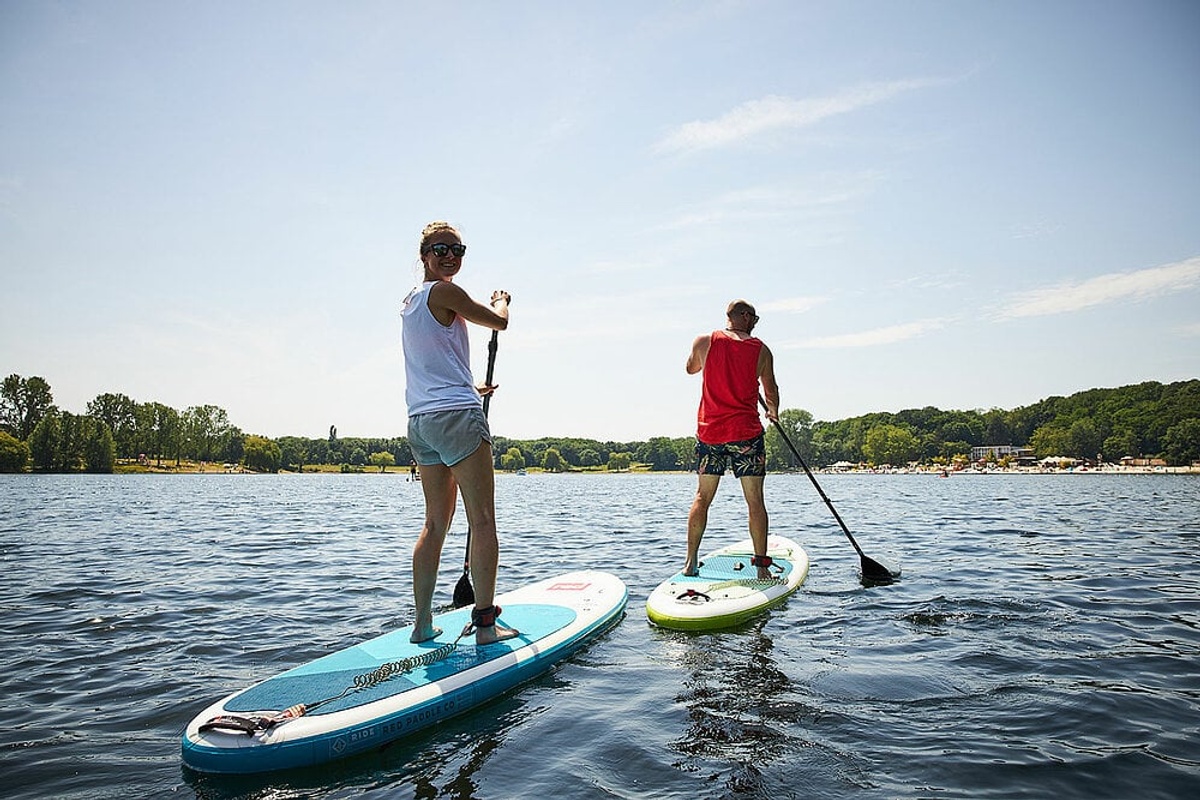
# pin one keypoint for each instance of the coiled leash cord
(251, 724)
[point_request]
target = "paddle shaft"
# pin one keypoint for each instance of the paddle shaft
(493, 346)
(813, 478)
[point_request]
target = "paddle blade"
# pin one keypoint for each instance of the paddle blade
(874, 573)
(464, 592)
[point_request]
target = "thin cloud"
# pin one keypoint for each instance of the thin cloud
(756, 117)
(826, 194)
(873, 338)
(1103, 289)
(1036, 230)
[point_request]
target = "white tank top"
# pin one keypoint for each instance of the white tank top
(437, 358)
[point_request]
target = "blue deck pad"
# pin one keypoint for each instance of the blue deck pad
(329, 675)
(724, 568)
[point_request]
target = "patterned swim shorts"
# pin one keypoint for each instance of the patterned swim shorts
(748, 458)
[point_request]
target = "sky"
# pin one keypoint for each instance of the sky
(966, 205)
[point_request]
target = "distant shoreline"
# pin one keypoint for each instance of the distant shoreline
(1193, 470)
(200, 468)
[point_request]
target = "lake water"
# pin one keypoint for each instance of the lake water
(1044, 640)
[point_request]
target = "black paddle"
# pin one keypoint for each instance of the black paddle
(872, 570)
(464, 592)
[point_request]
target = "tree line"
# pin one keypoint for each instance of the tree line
(1144, 420)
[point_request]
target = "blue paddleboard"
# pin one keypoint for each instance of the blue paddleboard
(367, 695)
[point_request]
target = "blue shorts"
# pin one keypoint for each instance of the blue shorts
(447, 437)
(748, 458)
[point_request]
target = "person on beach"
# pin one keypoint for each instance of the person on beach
(729, 432)
(447, 430)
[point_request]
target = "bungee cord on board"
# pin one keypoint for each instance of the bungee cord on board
(758, 584)
(250, 724)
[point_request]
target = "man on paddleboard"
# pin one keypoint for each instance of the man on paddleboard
(447, 429)
(729, 432)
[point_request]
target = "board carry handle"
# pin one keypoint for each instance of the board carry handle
(235, 723)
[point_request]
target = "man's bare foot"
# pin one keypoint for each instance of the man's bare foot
(425, 634)
(494, 633)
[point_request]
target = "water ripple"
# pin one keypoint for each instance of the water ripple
(1044, 638)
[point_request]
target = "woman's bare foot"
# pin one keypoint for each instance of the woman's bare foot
(425, 634)
(494, 633)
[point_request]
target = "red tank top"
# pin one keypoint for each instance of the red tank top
(729, 397)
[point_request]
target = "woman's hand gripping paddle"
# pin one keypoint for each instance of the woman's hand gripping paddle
(464, 592)
(872, 571)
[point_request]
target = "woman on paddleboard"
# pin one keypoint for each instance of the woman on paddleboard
(447, 430)
(729, 433)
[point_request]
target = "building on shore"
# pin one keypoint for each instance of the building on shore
(1132, 461)
(995, 452)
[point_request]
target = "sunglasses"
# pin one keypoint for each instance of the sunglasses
(441, 250)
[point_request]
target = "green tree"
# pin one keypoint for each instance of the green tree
(159, 431)
(399, 448)
(206, 432)
(65, 442)
(949, 450)
(1051, 440)
(294, 452)
(960, 426)
(1086, 439)
(99, 450)
(235, 447)
(828, 446)
(839, 441)
(383, 460)
(798, 425)
(660, 453)
(512, 460)
(318, 452)
(262, 454)
(890, 444)
(14, 454)
(119, 413)
(552, 461)
(1181, 443)
(23, 404)
(589, 458)
(619, 462)
(1120, 444)
(685, 449)
(45, 443)
(997, 429)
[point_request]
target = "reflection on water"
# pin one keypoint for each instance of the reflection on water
(737, 705)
